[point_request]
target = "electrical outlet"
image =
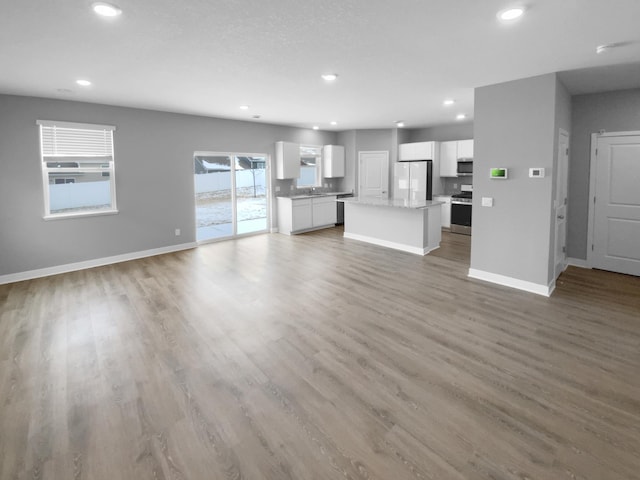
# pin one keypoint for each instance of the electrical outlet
(455, 185)
(277, 188)
(177, 232)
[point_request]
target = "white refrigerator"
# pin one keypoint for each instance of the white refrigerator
(412, 180)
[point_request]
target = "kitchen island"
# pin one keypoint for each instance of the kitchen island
(410, 226)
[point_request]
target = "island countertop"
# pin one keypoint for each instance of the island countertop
(391, 202)
(298, 196)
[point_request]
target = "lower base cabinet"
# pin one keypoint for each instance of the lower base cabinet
(300, 214)
(297, 215)
(446, 209)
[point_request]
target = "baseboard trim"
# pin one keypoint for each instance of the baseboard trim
(511, 282)
(578, 262)
(388, 244)
(98, 262)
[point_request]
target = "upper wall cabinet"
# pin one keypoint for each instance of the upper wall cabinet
(416, 151)
(449, 159)
(287, 160)
(450, 152)
(333, 161)
(465, 148)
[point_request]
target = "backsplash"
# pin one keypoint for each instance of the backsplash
(287, 187)
(452, 185)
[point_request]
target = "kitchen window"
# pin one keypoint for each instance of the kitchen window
(310, 166)
(77, 169)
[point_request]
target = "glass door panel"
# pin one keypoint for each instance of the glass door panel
(231, 195)
(214, 197)
(251, 193)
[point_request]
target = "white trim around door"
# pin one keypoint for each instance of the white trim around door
(594, 247)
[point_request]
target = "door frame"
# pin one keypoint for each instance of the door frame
(561, 133)
(234, 206)
(386, 152)
(592, 185)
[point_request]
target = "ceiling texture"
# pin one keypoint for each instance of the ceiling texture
(396, 59)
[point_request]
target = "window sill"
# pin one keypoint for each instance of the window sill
(62, 216)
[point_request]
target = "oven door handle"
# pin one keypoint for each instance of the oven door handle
(455, 202)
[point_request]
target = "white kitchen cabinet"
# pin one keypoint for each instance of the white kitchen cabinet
(449, 159)
(450, 152)
(446, 209)
(465, 148)
(287, 160)
(324, 211)
(301, 215)
(416, 151)
(296, 215)
(333, 161)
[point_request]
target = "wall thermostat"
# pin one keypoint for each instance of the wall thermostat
(501, 173)
(536, 172)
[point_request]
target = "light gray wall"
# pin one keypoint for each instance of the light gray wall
(611, 111)
(154, 179)
(374, 140)
(442, 133)
(514, 127)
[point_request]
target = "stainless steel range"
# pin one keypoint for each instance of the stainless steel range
(461, 210)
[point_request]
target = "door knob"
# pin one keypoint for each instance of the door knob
(561, 217)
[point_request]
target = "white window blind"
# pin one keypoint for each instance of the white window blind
(62, 139)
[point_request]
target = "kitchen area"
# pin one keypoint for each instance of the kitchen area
(428, 190)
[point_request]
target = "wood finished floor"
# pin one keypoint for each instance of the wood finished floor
(314, 357)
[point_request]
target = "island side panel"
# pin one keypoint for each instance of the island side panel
(399, 228)
(433, 227)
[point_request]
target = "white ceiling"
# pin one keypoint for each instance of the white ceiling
(397, 60)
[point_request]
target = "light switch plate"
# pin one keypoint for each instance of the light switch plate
(487, 201)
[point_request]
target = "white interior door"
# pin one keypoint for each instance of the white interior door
(373, 174)
(560, 203)
(616, 217)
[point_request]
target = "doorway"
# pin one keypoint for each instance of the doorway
(373, 174)
(231, 195)
(614, 217)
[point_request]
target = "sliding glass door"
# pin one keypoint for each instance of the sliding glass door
(231, 195)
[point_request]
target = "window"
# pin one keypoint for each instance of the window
(310, 158)
(77, 169)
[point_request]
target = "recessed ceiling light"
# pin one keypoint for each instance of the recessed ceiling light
(510, 13)
(399, 124)
(448, 102)
(244, 107)
(316, 127)
(83, 83)
(334, 123)
(329, 77)
(106, 9)
(461, 116)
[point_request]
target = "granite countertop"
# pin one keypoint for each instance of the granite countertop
(313, 195)
(390, 202)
